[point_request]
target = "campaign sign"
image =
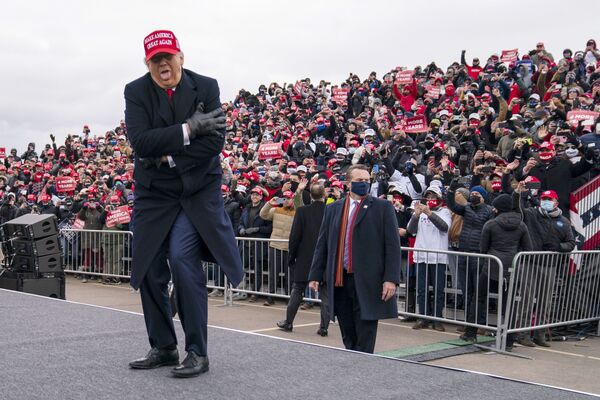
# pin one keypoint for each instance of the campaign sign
(119, 215)
(509, 56)
(404, 77)
(416, 124)
(65, 184)
(269, 150)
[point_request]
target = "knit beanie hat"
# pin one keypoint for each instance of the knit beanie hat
(481, 191)
(503, 203)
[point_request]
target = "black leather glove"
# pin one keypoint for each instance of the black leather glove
(250, 231)
(206, 123)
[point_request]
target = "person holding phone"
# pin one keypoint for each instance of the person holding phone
(281, 212)
(430, 223)
(556, 173)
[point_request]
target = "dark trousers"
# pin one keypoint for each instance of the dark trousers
(431, 303)
(298, 289)
(255, 259)
(477, 291)
(185, 260)
(278, 261)
(357, 334)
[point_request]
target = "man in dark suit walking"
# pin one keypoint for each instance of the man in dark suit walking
(176, 126)
(358, 257)
(303, 238)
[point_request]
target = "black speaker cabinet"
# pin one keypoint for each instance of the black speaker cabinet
(42, 265)
(31, 226)
(29, 283)
(39, 247)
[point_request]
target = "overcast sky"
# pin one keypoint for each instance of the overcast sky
(65, 63)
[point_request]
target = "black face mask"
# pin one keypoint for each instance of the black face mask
(429, 145)
(474, 200)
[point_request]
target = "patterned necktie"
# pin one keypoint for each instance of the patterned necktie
(354, 205)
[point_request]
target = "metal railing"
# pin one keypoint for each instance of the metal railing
(548, 290)
(108, 254)
(266, 269)
(453, 287)
(102, 253)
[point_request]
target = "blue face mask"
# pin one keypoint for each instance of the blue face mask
(538, 122)
(360, 188)
(113, 142)
(320, 127)
(547, 205)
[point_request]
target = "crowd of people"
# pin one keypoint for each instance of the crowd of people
(452, 149)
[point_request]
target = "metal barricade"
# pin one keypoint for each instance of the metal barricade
(454, 287)
(548, 290)
(102, 253)
(266, 269)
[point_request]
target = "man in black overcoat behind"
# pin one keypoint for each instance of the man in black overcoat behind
(303, 238)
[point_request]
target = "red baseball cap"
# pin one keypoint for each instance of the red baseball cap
(257, 190)
(549, 194)
(288, 194)
(547, 145)
(160, 42)
(337, 184)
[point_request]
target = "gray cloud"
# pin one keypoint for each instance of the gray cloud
(66, 62)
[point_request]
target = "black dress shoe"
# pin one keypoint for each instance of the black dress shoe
(193, 365)
(285, 326)
(156, 358)
(322, 332)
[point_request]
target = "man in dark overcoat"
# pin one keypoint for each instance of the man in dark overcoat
(176, 127)
(303, 239)
(358, 257)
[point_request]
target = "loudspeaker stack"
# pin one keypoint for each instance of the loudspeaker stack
(33, 256)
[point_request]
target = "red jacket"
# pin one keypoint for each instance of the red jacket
(406, 101)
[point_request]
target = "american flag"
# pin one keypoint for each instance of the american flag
(585, 215)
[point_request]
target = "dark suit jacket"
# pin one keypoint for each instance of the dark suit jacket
(154, 129)
(375, 255)
(303, 239)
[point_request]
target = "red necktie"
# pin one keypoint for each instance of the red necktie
(170, 93)
(348, 237)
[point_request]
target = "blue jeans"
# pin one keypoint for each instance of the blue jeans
(434, 275)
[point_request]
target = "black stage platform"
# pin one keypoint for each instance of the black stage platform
(53, 349)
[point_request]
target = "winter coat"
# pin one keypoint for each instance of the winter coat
(474, 217)
(282, 224)
(503, 237)
(233, 211)
(549, 233)
(264, 227)
(303, 239)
